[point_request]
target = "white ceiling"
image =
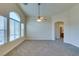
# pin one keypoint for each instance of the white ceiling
(47, 9)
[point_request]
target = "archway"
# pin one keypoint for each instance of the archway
(59, 30)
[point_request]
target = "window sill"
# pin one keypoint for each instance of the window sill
(4, 49)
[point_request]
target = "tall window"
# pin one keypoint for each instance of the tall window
(22, 29)
(17, 29)
(14, 26)
(11, 30)
(3, 29)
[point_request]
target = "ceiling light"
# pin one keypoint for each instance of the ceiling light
(40, 18)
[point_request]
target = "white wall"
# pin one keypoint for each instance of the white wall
(46, 31)
(64, 18)
(74, 26)
(39, 31)
(71, 25)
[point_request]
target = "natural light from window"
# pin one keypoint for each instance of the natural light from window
(3, 30)
(14, 26)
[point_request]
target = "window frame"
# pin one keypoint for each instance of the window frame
(22, 28)
(7, 26)
(15, 20)
(4, 29)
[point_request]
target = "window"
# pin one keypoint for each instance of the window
(14, 26)
(17, 29)
(14, 16)
(22, 29)
(11, 30)
(3, 29)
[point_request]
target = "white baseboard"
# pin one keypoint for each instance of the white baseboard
(38, 39)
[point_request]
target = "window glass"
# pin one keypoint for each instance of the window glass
(14, 26)
(15, 16)
(11, 30)
(22, 29)
(17, 29)
(3, 30)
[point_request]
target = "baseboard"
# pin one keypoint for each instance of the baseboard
(38, 39)
(71, 44)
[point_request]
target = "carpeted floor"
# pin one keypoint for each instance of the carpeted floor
(44, 48)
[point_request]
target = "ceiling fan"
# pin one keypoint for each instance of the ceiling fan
(39, 18)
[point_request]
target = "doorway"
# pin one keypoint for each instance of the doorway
(59, 30)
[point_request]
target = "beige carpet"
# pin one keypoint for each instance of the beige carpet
(44, 48)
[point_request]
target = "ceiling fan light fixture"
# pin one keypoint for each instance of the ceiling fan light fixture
(39, 20)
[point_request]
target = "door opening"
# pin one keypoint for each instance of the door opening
(59, 30)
